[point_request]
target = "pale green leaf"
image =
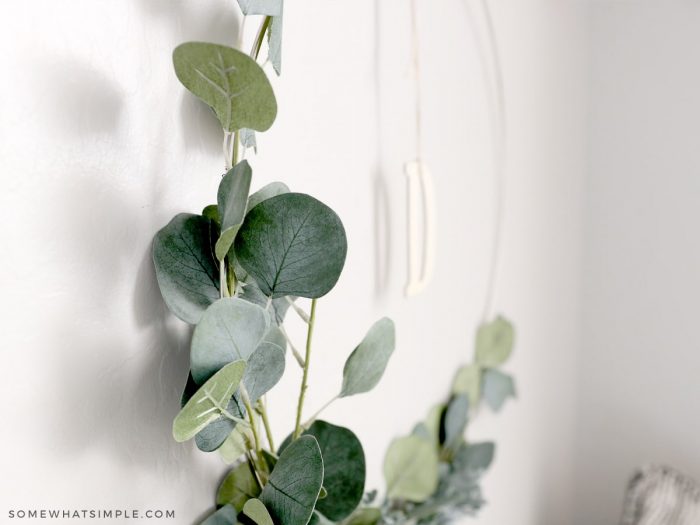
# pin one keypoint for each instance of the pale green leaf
(365, 516)
(498, 387)
(186, 269)
(229, 81)
(468, 381)
(257, 512)
(275, 43)
(247, 138)
(494, 342)
(224, 516)
(267, 192)
(295, 483)
(261, 7)
(230, 330)
(232, 200)
(292, 244)
(235, 444)
(239, 486)
(365, 366)
(411, 469)
(264, 370)
(205, 405)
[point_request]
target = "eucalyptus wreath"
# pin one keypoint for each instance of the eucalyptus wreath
(234, 271)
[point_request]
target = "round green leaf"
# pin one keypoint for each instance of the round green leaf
(365, 366)
(292, 244)
(232, 200)
(498, 387)
(230, 330)
(186, 269)
(257, 512)
(224, 516)
(494, 342)
(468, 381)
(239, 486)
(475, 457)
(343, 467)
(295, 483)
(411, 469)
(211, 437)
(229, 81)
(264, 370)
(204, 406)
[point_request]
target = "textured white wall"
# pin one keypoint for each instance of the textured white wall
(639, 360)
(100, 146)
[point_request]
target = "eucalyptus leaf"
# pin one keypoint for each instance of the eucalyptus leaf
(275, 43)
(468, 381)
(249, 291)
(344, 469)
(267, 192)
(238, 487)
(319, 519)
(229, 81)
(224, 516)
(411, 469)
(186, 269)
(365, 516)
(275, 336)
(232, 201)
(292, 244)
(295, 483)
(211, 437)
(434, 420)
(264, 370)
(365, 366)
(494, 342)
(211, 212)
(235, 444)
(230, 330)
(204, 406)
(257, 512)
(498, 387)
(247, 138)
(475, 457)
(456, 418)
(261, 7)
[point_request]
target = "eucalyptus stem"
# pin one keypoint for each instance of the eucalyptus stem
(234, 154)
(251, 417)
(260, 37)
(304, 379)
(318, 412)
(266, 424)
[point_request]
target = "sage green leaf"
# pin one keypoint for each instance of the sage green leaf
(475, 457)
(468, 381)
(205, 405)
(275, 336)
(295, 483)
(497, 388)
(229, 81)
(230, 330)
(224, 516)
(343, 467)
(211, 212)
(292, 244)
(422, 431)
(275, 43)
(257, 512)
(261, 7)
(232, 198)
(249, 291)
(456, 418)
(211, 437)
(235, 444)
(186, 269)
(267, 192)
(264, 370)
(494, 342)
(365, 366)
(247, 138)
(411, 469)
(239, 486)
(365, 516)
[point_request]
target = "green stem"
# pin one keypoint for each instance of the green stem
(251, 417)
(234, 155)
(266, 424)
(260, 37)
(302, 392)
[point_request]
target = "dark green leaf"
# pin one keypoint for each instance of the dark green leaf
(365, 366)
(295, 483)
(211, 437)
(224, 516)
(186, 268)
(230, 329)
(261, 7)
(292, 244)
(229, 81)
(211, 212)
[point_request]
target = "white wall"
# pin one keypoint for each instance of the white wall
(101, 146)
(639, 360)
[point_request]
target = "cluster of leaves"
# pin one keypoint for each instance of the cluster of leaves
(234, 271)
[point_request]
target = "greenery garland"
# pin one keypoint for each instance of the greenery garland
(234, 271)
